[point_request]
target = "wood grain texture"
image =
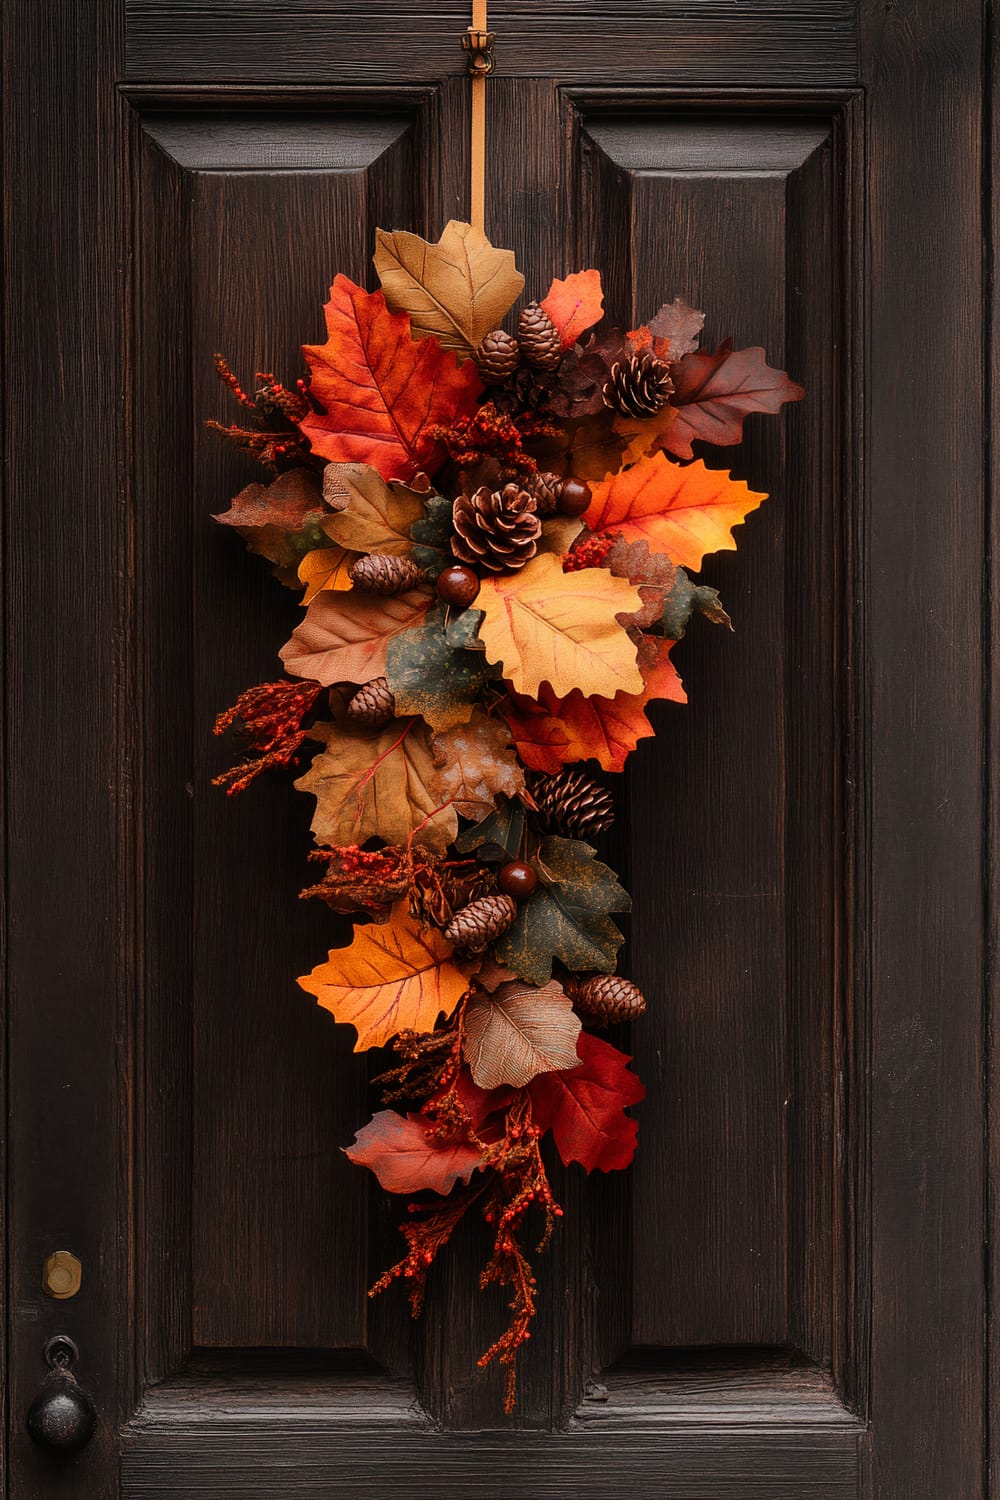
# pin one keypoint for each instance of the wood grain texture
(923, 623)
(808, 42)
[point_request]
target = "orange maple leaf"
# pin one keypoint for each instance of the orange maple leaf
(552, 732)
(384, 392)
(684, 510)
(574, 305)
(393, 977)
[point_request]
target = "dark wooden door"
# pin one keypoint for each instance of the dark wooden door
(787, 1295)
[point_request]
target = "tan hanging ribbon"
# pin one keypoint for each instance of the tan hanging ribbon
(478, 43)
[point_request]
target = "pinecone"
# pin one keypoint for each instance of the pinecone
(606, 998)
(497, 357)
(496, 529)
(526, 390)
(380, 573)
(572, 804)
(539, 337)
(474, 928)
(546, 489)
(373, 704)
(639, 386)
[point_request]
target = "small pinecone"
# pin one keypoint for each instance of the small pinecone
(373, 704)
(574, 805)
(497, 357)
(606, 998)
(639, 386)
(380, 573)
(475, 927)
(546, 489)
(496, 529)
(527, 390)
(539, 337)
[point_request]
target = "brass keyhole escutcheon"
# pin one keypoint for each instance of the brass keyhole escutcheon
(62, 1274)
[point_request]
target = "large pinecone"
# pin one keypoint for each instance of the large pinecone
(538, 337)
(381, 573)
(475, 927)
(639, 386)
(604, 999)
(573, 804)
(496, 529)
(373, 704)
(498, 356)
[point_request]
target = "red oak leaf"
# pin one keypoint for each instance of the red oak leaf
(714, 392)
(574, 305)
(407, 1156)
(384, 393)
(584, 1107)
(550, 733)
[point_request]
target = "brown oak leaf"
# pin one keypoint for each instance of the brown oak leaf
(714, 392)
(519, 1031)
(279, 521)
(382, 785)
(344, 636)
(477, 764)
(455, 291)
(370, 514)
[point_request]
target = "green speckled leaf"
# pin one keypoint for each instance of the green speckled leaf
(567, 918)
(462, 630)
(429, 677)
(502, 830)
(432, 534)
(684, 599)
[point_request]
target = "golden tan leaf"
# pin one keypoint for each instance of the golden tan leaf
(372, 514)
(477, 764)
(519, 1031)
(455, 291)
(393, 977)
(325, 568)
(544, 625)
(344, 636)
(381, 785)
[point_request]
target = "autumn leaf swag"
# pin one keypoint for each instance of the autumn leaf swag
(494, 531)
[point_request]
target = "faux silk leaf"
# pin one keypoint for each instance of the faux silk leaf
(325, 568)
(684, 510)
(345, 636)
(574, 305)
(519, 1031)
(429, 676)
(584, 1107)
(714, 392)
(455, 291)
(684, 599)
(393, 977)
(432, 535)
(678, 326)
(382, 391)
(383, 785)
(407, 1156)
(476, 765)
(369, 514)
(503, 830)
(279, 521)
(544, 625)
(567, 917)
(550, 733)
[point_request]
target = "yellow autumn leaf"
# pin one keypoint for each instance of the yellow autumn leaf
(325, 568)
(393, 977)
(382, 785)
(455, 291)
(544, 625)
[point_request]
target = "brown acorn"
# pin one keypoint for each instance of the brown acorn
(497, 530)
(457, 585)
(517, 879)
(604, 999)
(475, 927)
(497, 357)
(575, 496)
(372, 705)
(538, 337)
(380, 573)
